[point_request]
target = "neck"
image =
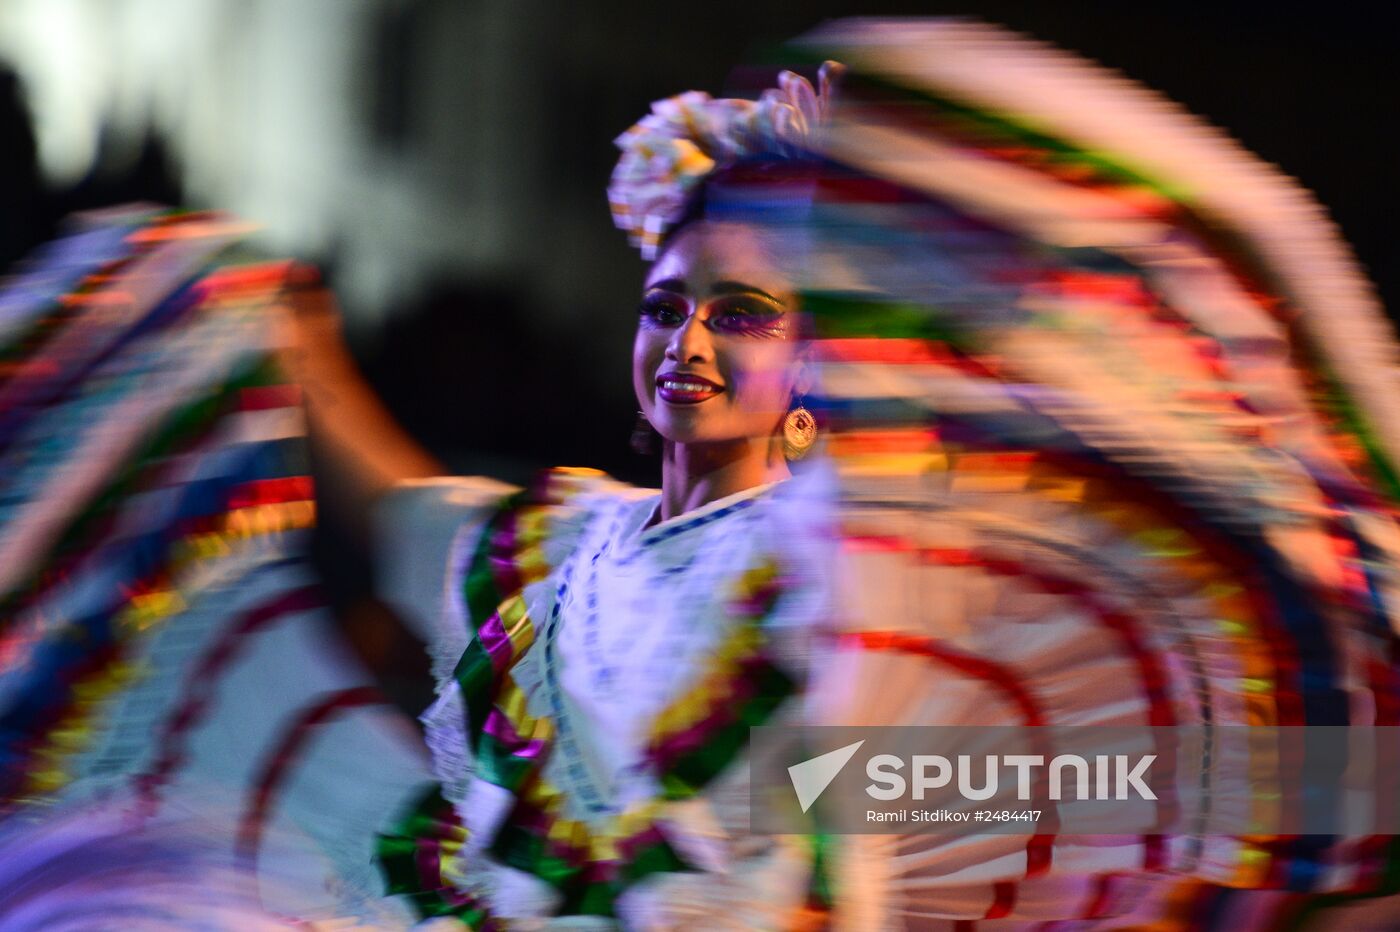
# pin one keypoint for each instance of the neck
(695, 474)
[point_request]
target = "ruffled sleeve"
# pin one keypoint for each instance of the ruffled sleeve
(425, 530)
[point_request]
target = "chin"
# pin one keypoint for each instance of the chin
(695, 425)
(688, 430)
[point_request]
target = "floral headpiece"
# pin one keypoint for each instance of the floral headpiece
(686, 138)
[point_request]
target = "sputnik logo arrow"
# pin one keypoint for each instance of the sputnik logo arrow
(811, 777)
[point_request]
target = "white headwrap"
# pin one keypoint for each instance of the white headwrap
(685, 138)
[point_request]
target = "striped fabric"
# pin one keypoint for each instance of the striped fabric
(163, 642)
(1116, 415)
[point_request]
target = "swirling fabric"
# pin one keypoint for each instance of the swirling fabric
(1115, 412)
(168, 671)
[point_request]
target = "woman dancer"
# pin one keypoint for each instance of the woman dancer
(1098, 463)
(1078, 486)
(614, 644)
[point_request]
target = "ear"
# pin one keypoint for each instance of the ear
(804, 375)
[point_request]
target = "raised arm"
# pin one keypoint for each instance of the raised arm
(375, 483)
(359, 450)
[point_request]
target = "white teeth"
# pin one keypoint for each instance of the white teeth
(684, 386)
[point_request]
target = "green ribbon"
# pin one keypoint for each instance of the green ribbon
(689, 773)
(397, 855)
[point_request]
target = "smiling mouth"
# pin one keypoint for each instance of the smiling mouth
(685, 389)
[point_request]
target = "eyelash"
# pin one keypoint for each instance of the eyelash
(734, 314)
(654, 307)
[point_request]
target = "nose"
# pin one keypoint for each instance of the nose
(691, 342)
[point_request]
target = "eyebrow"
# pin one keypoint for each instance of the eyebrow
(718, 288)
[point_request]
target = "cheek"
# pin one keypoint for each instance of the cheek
(764, 376)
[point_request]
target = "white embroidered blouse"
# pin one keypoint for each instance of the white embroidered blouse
(624, 622)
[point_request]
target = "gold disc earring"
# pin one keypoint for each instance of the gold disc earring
(799, 432)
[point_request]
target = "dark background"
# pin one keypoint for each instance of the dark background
(1310, 88)
(506, 365)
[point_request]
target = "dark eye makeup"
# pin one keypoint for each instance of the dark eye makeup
(662, 309)
(739, 314)
(746, 314)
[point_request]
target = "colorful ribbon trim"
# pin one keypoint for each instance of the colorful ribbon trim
(692, 741)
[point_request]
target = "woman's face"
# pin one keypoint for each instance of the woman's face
(716, 353)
